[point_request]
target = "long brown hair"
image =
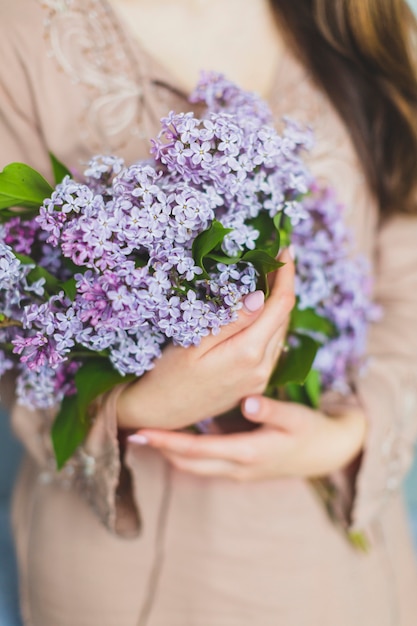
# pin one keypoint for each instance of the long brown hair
(360, 52)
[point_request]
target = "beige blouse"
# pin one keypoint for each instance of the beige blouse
(74, 81)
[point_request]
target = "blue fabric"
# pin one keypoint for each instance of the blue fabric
(9, 605)
(9, 460)
(411, 498)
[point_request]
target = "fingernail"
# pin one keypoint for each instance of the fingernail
(140, 440)
(254, 301)
(251, 406)
(291, 250)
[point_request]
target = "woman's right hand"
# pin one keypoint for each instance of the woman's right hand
(188, 385)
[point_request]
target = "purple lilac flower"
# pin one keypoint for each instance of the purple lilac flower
(130, 230)
(20, 235)
(45, 388)
(134, 352)
(10, 267)
(336, 286)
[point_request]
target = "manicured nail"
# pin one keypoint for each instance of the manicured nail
(291, 250)
(251, 406)
(254, 301)
(138, 439)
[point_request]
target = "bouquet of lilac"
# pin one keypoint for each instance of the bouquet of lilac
(96, 276)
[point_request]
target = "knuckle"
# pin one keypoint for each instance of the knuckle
(187, 450)
(248, 455)
(287, 297)
(177, 463)
(261, 376)
(241, 475)
(250, 355)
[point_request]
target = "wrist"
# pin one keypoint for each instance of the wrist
(353, 430)
(125, 409)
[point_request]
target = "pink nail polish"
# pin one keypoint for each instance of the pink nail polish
(254, 301)
(138, 439)
(252, 406)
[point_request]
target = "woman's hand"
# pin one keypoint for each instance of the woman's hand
(188, 385)
(292, 440)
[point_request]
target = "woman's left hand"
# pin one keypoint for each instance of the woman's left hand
(292, 440)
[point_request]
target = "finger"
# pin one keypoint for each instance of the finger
(203, 467)
(278, 306)
(274, 312)
(281, 257)
(237, 448)
(276, 345)
(286, 416)
(253, 305)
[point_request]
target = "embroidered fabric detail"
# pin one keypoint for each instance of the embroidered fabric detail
(87, 42)
(95, 478)
(397, 447)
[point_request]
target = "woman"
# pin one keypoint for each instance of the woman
(225, 529)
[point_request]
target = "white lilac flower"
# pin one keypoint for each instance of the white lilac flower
(10, 267)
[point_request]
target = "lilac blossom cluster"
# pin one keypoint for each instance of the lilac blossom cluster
(124, 236)
(334, 285)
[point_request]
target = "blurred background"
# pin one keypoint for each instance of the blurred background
(10, 453)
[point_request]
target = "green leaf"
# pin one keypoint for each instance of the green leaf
(285, 228)
(24, 258)
(273, 246)
(295, 393)
(312, 387)
(96, 377)
(277, 220)
(140, 261)
(52, 284)
(6, 214)
(285, 238)
(269, 235)
(262, 261)
(359, 540)
(69, 430)
(294, 365)
(265, 225)
(22, 186)
(309, 320)
(70, 289)
(222, 258)
(207, 241)
(71, 426)
(59, 169)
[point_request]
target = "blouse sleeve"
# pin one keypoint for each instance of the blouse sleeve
(96, 470)
(388, 389)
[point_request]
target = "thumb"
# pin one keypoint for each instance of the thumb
(283, 415)
(253, 305)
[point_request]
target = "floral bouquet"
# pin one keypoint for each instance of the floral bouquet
(97, 275)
